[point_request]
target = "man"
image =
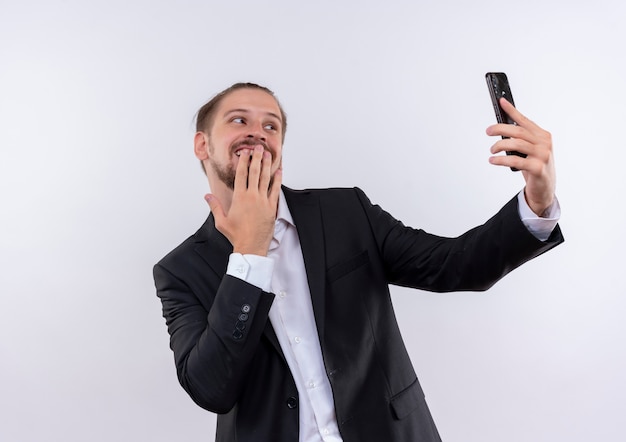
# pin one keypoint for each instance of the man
(278, 308)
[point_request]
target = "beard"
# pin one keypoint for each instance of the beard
(226, 172)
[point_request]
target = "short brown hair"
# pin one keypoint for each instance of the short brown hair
(206, 114)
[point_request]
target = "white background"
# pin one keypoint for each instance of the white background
(98, 181)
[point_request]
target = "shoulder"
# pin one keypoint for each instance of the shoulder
(182, 249)
(325, 194)
(345, 206)
(186, 248)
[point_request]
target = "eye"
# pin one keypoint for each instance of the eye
(270, 126)
(238, 120)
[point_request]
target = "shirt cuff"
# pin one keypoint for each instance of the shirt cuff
(254, 269)
(540, 227)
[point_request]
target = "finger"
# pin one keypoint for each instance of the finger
(512, 161)
(507, 130)
(512, 144)
(515, 115)
(216, 207)
(266, 171)
(255, 168)
(274, 192)
(241, 174)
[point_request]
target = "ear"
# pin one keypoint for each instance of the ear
(201, 146)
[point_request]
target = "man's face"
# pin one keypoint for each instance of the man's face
(245, 118)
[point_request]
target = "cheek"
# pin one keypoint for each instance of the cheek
(221, 147)
(278, 159)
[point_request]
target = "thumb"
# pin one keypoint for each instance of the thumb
(215, 205)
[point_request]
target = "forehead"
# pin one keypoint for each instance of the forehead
(253, 100)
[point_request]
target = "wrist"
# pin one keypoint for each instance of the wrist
(251, 249)
(540, 207)
(541, 210)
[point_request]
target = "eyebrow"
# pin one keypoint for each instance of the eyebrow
(246, 111)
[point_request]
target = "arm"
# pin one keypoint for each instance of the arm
(473, 261)
(212, 352)
(480, 257)
(215, 321)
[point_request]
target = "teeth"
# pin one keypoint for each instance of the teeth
(238, 153)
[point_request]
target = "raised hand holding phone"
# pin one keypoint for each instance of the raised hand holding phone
(529, 149)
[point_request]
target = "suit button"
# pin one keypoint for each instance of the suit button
(245, 308)
(240, 326)
(237, 335)
(292, 402)
(243, 317)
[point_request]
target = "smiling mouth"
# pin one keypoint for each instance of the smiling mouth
(249, 143)
(251, 146)
(238, 152)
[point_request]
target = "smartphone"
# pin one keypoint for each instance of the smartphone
(498, 85)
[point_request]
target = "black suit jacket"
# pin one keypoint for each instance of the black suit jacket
(233, 365)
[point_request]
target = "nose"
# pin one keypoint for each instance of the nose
(256, 132)
(256, 136)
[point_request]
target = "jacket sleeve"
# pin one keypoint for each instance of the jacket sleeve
(473, 261)
(213, 342)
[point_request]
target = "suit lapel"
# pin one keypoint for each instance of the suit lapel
(307, 216)
(213, 247)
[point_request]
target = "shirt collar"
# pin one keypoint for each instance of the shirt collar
(283, 221)
(283, 212)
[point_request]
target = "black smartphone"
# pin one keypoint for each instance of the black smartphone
(498, 85)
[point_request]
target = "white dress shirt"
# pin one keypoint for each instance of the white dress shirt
(283, 273)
